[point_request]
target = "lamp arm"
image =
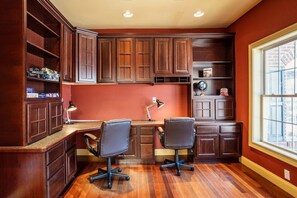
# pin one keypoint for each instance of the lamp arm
(148, 115)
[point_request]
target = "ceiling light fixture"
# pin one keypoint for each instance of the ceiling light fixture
(128, 14)
(199, 13)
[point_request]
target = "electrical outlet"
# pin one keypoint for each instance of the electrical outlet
(287, 174)
(154, 99)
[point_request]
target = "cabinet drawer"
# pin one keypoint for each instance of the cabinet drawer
(55, 152)
(56, 183)
(146, 139)
(55, 166)
(230, 129)
(146, 130)
(70, 142)
(207, 129)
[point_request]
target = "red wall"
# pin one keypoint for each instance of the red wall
(266, 18)
(106, 102)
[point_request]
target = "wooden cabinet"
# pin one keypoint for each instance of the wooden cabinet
(173, 56)
(37, 121)
(55, 116)
(203, 109)
(106, 49)
(144, 60)
(70, 158)
(141, 147)
(31, 53)
(163, 56)
(67, 54)
(125, 60)
(213, 64)
(218, 141)
(86, 61)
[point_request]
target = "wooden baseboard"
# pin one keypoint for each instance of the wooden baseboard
(278, 181)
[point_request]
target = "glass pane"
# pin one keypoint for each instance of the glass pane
(272, 132)
(271, 60)
(280, 132)
(288, 136)
(295, 137)
(279, 109)
(287, 81)
(288, 110)
(265, 130)
(287, 55)
(272, 83)
(294, 114)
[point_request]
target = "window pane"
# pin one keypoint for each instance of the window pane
(279, 109)
(287, 82)
(295, 137)
(288, 110)
(287, 55)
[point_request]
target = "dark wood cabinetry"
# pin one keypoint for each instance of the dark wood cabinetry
(67, 54)
(218, 141)
(213, 63)
(125, 60)
(86, 53)
(173, 56)
(141, 147)
(55, 116)
(106, 50)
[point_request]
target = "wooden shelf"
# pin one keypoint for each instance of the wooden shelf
(213, 78)
(34, 49)
(39, 27)
(208, 63)
(42, 80)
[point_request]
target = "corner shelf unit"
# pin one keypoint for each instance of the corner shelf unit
(213, 63)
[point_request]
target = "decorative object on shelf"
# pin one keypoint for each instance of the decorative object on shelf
(71, 107)
(224, 92)
(207, 72)
(202, 86)
(155, 101)
(43, 73)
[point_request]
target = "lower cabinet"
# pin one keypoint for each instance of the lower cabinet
(218, 141)
(141, 147)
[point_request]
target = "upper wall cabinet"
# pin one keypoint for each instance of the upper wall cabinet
(106, 60)
(86, 61)
(173, 56)
(135, 60)
(67, 54)
(125, 60)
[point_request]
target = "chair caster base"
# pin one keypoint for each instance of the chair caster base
(192, 168)
(178, 173)
(127, 178)
(109, 185)
(120, 170)
(161, 168)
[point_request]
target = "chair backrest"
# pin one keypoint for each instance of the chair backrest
(179, 133)
(114, 137)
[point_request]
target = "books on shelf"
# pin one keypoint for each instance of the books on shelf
(207, 72)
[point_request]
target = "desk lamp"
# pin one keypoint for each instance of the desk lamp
(71, 107)
(157, 102)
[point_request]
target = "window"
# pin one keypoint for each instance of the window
(273, 95)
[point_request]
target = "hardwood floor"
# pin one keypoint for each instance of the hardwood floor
(207, 180)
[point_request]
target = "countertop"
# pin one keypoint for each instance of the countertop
(48, 142)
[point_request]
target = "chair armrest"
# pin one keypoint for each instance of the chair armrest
(160, 130)
(87, 138)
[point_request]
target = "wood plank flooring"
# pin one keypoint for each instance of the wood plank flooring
(207, 180)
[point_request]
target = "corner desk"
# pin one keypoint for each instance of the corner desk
(46, 167)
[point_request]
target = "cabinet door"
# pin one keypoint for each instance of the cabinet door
(71, 167)
(132, 152)
(207, 146)
(86, 68)
(225, 109)
(55, 116)
(125, 60)
(56, 183)
(182, 63)
(106, 60)
(37, 121)
(67, 57)
(163, 56)
(144, 60)
(230, 145)
(203, 109)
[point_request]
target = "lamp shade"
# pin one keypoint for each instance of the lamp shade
(160, 104)
(71, 106)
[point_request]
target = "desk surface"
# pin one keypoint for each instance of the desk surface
(46, 143)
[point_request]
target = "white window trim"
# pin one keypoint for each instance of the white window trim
(255, 91)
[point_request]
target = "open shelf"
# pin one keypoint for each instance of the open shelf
(213, 78)
(39, 27)
(42, 80)
(34, 49)
(206, 63)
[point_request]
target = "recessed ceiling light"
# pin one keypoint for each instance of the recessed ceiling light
(128, 14)
(199, 13)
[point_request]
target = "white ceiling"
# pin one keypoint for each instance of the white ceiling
(107, 14)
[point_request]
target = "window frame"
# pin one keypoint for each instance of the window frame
(256, 92)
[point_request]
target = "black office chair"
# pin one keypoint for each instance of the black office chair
(178, 133)
(113, 141)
